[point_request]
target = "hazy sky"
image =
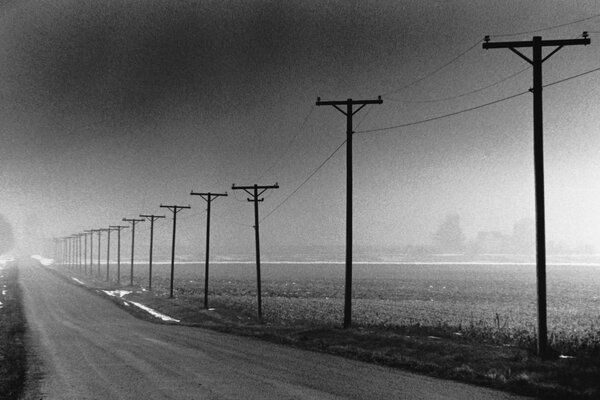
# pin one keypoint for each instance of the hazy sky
(109, 108)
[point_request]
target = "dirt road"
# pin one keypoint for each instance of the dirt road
(90, 349)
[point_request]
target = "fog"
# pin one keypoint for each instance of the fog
(110, 109)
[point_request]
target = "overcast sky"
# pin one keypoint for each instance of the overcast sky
(110, 108)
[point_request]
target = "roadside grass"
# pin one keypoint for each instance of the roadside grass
(12, 333)
(478, 352)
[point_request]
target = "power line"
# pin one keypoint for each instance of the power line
(476, 107)
(305, 181)
(462, 94)
(289, 146)
(443, 116)
(435, 71)
(572, 77)
(547, 28)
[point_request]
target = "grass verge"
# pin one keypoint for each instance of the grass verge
(469, 354)
(12, 333)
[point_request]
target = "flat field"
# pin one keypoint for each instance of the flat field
(498, 299)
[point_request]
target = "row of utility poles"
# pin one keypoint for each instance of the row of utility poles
(537, 59)
(72, 255)
(349, 108)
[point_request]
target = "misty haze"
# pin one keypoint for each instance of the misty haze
(299, 200)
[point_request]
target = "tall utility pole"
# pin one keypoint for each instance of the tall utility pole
(133, 222)
(536, 61)
(208, 197)
(349, 113)
(174, 210)
(151, 218)
(118, 229)
(255, 191)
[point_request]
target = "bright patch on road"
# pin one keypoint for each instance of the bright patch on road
(117, 293)
(154, 312)
(78, 281)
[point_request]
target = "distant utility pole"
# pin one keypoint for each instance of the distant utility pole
(174, 210)
(118, 229)
(538, 155)
(85, 235)
(74, 250)
(349, 113)
(99, 232)
(255, 191)
(65, 254)
(133, 222)
(91, 232)
(108, 230)
(151, 218)
(208, 197)
(79, 252)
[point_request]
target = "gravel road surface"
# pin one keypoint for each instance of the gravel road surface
(85, 347)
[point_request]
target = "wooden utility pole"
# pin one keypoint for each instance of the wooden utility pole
(108, 230)
(99, 236)
(255, 191)
(537, 44)
(85, 235)
(133, 222)
(349, 113)
(208, 197)
(174, 210)
(118, 229)
(151, 218)
(91, 232)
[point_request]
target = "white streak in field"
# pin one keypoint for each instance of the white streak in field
(44, 261)
(126, 303)
(154, 312)
(117, 293)
(78, 281)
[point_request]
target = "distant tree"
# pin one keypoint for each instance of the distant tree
(449, 237)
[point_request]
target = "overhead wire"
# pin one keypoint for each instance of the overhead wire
(440, 99)
(435, 71)
(290, 143)
(547, 28)
(303, 182)
(438, 117)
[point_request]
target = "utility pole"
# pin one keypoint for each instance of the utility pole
(91, 231)
(99, 232)
(174, 210)
(85, 235)
(79, 258)
(108, 230)
(133, 222)
(255, 191)
(349, 113)
(118, 229)
(151, 218)
(537, 44)
(208, 197)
